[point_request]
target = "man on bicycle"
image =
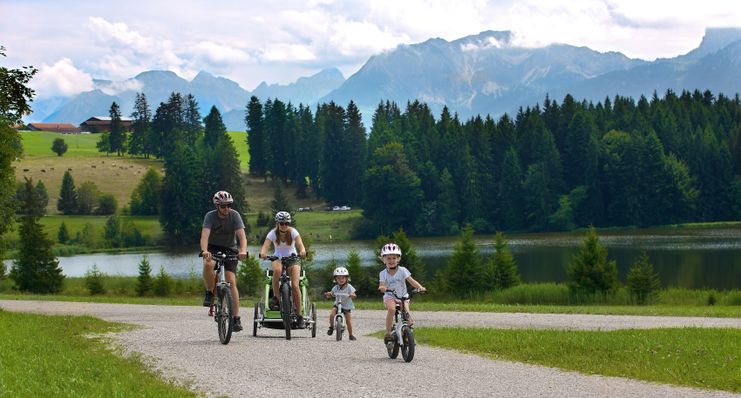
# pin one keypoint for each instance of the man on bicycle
(221, 228)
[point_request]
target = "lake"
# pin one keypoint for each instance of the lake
(687, 258)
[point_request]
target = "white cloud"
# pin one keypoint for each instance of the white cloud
(61, 79)
(283, 52)
(215, 53)
(117, 87)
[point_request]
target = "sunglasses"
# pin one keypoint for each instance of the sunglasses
(284, 223)
(224, 206)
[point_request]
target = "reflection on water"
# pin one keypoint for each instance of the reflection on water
(689, 258)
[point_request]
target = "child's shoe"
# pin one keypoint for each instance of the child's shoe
(330, 331)
(352, 338)
(388, 338)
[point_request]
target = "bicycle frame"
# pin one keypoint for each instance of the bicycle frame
(339, 318)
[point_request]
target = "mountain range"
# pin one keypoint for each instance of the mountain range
(479, 74)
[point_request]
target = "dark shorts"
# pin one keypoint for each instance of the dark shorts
(229, 265)
(344, 311)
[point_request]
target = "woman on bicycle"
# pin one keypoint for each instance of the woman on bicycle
(341, 278)
(394, 277)
(285, 240)
(221, 229)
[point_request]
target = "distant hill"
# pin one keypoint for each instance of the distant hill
(480, 74)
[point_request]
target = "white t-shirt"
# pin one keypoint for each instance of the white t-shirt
(397, 281)
(347, 303)
(282, 249)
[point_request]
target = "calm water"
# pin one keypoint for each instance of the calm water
(689, 258)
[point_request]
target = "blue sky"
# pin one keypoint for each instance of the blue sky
(73, 42)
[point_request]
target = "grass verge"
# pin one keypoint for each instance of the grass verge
(45, 356)
(695, 357)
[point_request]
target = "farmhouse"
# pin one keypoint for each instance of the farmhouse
(66, 128)
(99, 124)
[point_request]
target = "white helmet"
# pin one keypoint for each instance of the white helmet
(390, 248)
(223, 197)
(341, 271)
(283, 216)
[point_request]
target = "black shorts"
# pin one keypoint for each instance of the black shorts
(229, 265)
(344, 310)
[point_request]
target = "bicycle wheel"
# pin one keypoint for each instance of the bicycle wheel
(285, 308)
(393, 348)
(258, 317)
(339, 326)
(225, 315)
(407, 350)
(313, 320)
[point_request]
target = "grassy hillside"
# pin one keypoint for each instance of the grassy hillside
(120, 175)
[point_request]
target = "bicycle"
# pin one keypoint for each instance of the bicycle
(339, 319)
(403, 329)
(222, 310)
(288, 315)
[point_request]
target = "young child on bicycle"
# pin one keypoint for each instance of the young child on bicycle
(394, 277)
(341, 278)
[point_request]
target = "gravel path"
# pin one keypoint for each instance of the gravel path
(182, 343)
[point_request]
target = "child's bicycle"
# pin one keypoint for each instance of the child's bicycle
(339, 319)
(401, 332)
(222, 309)
(286, 318)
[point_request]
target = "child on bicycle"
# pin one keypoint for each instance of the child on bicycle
(394, 277)
(342, 277)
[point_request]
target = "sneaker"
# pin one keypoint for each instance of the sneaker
(237, 327)
(330, 331)
(274, 304)
(352, 338)
(387, 338)
(301, 324)
(208, 298)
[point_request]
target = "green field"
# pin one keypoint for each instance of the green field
(59, 356)
(696, 357)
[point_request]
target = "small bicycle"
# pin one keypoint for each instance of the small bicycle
(222, 309)
(401, 332)
(339, 319)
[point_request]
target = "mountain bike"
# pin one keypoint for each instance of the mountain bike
(339, 319)
(222, 309)
(401, 331)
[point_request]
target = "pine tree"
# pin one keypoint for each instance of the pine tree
(215, 128)
(117, 137)
(590, 272)
(183, 201)
(464, 272)
(162, 285)
(144, 281)
(643, 283)
(502, 267)
(63, 234)
(67, 202)
(36, 269)
(94, 281)
(256, 137)
(141, 127)
(279, 202)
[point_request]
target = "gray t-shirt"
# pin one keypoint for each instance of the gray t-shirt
(346, 301)
(223, 230)
(397, 281)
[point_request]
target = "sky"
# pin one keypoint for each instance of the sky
(72, 42)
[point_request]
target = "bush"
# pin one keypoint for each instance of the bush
(502, 266)
(249, 277)
(107, 204)
(94, 281)
(63, 234)
(59, 146)
(162, 285)
(642, 282)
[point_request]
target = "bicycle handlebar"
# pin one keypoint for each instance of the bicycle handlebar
(223, 256)
(291, 257)
(409, 294)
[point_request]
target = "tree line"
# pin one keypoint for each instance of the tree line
(618, 162)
